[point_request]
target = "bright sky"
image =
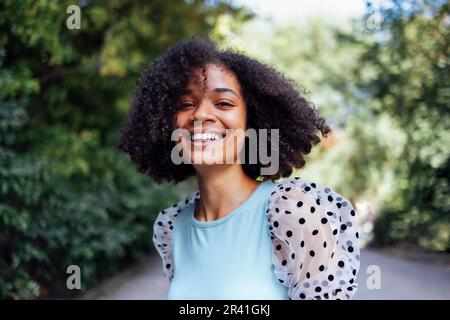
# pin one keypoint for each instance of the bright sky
(333, 10)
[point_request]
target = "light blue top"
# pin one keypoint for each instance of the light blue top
(228, 258)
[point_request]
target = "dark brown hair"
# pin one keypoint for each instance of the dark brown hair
(273, 101)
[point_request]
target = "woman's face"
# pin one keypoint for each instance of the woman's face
(214, 112)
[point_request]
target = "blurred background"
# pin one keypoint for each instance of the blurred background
(377, 70)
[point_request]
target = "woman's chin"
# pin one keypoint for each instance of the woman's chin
(213, 152)
(206, 153)
(205, 160)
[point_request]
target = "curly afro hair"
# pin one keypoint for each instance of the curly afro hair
(273, 101)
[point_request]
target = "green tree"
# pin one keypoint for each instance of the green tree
(385, 93)
(410, 81)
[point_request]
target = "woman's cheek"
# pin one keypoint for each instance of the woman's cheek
(235, 120)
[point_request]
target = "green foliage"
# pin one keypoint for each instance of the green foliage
(67, 195)
(386, 95)
(362, 143)
(411, 83)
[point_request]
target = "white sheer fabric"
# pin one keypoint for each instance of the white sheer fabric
(314, 239)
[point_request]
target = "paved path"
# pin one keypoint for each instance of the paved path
(400, 279)
(144, 282)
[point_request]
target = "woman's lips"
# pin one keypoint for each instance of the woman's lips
(203, 143)
(203, 139)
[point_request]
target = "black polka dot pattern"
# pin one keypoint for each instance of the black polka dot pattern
(315, 240)
(162, 232)
(323, 236)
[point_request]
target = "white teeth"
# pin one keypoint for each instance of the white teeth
(205, 136)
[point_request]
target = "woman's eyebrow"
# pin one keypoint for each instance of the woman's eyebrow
(226, 90)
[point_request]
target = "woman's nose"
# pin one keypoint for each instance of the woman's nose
(203, 112)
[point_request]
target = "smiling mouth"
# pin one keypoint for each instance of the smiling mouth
(206, 137)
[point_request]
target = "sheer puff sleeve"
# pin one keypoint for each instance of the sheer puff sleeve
(315, 241)
(162, 232)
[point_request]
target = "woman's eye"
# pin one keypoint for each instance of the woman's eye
(185, 105)
(224, 104)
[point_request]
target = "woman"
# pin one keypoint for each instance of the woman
(241, 235)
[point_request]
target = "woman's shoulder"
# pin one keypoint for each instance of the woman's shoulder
(303, 191)
(166, 217)
(162, 230)
(176, 208)
(312, 201)
(312, 188)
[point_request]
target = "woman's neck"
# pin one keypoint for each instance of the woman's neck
(222, 190)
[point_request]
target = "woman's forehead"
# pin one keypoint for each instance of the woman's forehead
(213, 76)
